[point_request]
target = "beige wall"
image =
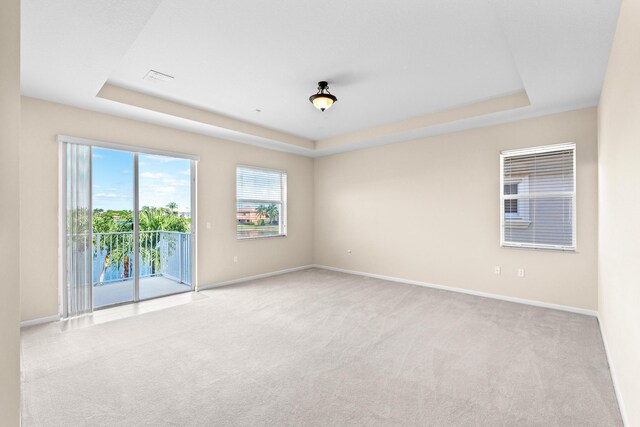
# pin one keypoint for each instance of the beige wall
(43, 121)
(619, 209)
(9, 214)
(429, 210)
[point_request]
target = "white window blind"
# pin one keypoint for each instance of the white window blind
(538, 197)
(78, 252)
(261, 208)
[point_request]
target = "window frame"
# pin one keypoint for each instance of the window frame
(525, 222)
(282, 224)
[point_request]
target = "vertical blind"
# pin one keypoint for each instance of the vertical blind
(260, 203)
(538, 197)
(78, 298)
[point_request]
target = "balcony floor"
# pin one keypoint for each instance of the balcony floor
(150, 287)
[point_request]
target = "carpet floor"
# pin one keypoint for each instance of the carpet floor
(321, 348)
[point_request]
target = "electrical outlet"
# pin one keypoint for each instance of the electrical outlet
(208, 225)
(235, 258)
(348, 251)
(521, 272)
(496, 270)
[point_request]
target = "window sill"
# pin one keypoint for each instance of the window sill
(540, 247)
(261, 237)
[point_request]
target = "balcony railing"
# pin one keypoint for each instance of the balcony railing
(162, 253)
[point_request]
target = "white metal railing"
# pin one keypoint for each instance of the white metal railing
(162, 253)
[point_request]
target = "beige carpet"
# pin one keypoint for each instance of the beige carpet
(323, 348)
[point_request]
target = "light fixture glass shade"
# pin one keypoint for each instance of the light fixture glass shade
(323, 99)
(322, 102)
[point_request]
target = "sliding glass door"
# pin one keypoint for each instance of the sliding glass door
(113, 239)
(164, 218)
(128, 222)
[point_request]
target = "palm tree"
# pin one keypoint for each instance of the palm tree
(118, 249)
(159, 219)
(272, 213)
(151, 219)
(115, 248)
(103, 223)
(262, 211)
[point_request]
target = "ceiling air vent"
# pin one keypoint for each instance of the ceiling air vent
(156, 75)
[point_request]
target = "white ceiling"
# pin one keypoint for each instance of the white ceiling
(385, 61)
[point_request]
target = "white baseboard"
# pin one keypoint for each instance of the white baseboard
(614, 378)
(466, 291)
(257, 276)
(39, 321)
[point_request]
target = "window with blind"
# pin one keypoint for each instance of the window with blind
(261, 203)
(538, 197)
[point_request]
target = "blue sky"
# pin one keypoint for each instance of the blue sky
(162, 180)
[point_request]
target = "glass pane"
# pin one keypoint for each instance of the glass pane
(113, 254)
(259, 184)
(538, 198)
(540, 172)
(546, 221)
(165, 225)
(258, 220)
(261, 196)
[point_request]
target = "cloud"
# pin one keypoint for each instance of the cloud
(156, 193)
(163, 159)
(177, 182)
(153, 175)
(164, 178)
(166, 190)
(161, 183)
(109, 195)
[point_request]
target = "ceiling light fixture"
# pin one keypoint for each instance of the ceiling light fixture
(323, 99)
